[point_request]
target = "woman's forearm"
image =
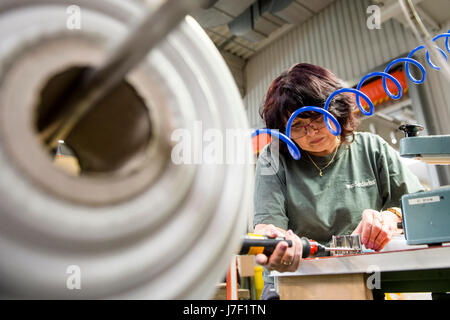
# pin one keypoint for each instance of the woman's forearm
(266, 229)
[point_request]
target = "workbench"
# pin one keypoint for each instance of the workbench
(368, 275)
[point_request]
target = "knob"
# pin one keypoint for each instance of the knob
(411, 130)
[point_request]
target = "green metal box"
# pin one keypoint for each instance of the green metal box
(426, 216)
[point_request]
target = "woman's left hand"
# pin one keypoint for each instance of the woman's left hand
(376, 228)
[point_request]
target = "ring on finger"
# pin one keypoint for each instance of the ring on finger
(286, 263)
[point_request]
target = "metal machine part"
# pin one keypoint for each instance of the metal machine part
(143, 227)
(352, 241)
(431, 149)
(426, 214)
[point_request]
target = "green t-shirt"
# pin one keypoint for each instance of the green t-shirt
(367, 174)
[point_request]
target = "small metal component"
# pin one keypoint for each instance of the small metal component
(342, 249)
(411, 130)
(340, 243)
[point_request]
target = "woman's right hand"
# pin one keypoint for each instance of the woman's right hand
(283, 258)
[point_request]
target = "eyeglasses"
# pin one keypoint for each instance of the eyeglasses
(299, 131)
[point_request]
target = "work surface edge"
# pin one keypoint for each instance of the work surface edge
(413, 259)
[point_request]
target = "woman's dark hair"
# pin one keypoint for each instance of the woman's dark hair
(308, 85)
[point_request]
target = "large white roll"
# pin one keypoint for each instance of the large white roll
(159, 231)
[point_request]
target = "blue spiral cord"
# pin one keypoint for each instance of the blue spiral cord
(327, 116)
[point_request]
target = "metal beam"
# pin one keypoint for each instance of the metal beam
(393, 10)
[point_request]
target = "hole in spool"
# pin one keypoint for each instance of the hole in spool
(112, 137)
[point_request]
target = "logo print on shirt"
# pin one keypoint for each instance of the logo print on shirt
(362, 184)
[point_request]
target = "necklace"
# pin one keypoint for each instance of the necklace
(321, 169)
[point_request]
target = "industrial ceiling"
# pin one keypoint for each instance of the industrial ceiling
(243, 27)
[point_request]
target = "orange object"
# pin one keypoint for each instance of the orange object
(375, 91)
(232, 283)
(260, 141)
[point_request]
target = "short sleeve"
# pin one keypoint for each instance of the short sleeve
(270, 192)
(396, 179)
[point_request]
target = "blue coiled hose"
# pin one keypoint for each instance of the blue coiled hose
(327, 116)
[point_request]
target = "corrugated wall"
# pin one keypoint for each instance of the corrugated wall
(236, 66)
(337, 38)
(435, 91)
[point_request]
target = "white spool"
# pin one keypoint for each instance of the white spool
(167, 231)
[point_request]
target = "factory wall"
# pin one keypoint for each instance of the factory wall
(236, 66)
(337, 38)
(433, 102)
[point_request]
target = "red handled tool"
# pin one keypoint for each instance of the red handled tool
(255, 244)
(311, 248)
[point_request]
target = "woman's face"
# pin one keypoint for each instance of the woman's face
(313, 136)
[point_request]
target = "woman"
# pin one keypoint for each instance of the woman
(350, 184)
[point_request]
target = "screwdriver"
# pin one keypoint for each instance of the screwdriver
(311, 248)
(254, 244)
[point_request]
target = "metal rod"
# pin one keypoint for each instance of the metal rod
(154, 27)
(341, 249)
(422, 34)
